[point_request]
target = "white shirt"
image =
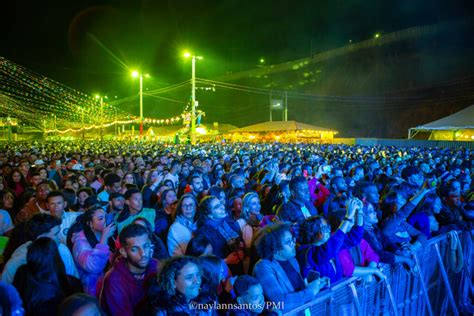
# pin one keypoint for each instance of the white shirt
(68, 219)
(178, 239)
(19, 258)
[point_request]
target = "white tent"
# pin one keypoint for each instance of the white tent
(458, 126)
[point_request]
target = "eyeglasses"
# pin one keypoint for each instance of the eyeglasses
(187, 206)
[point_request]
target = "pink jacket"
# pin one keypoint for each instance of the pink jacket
(347, 262)
(90, 262)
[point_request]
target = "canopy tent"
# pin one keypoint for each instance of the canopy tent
(283, 131)
(458, 126)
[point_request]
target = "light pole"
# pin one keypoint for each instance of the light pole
(193, 95)
(101, 98)
(137, 74)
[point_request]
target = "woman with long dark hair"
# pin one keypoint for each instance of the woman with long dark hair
(223, 233)
(184, 225)
(16, 182)
(43, 283)
(93, 247)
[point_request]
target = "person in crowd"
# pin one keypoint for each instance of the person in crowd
(374, 237)
(92, 247)
(299, 207)
(38, 204)
(124, 285)
(112, 183)
(452, 214)
(357, 260)
(129, 178)
(164, 214)
(40, 225)
(173, 175)
(199, 246)
(42, 282)
(249, 293)
(337, 188)
(216, 276)
(151, 188)
(16, 182)
(223, 233)
(278, 270)
(184, 225)
(179, 283)
(320, 250)
(413, 176)
(80, 304)
(423, 217)
(196, 185)
(82, 195)
(160, 252)
(399, 235)
(7, 201)
(56, 206)
(133, 209)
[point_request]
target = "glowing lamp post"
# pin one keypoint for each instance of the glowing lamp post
(136, 74)
(101, 99)
(193, 95)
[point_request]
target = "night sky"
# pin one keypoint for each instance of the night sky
(74, 41)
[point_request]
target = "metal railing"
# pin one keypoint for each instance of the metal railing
(432, 288)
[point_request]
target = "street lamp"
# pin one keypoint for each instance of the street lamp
(136, 74)
(193, 95)
(101, 98)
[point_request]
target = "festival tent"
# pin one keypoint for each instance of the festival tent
(283, 131)
(458, 126)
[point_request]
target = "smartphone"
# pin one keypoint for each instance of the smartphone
(58, 163)
(312, 275)
(109, 219)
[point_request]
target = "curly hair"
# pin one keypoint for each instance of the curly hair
(270, 240)
(311, 229)
(170, 271)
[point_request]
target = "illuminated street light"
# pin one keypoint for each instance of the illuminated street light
(101, 98)
(193, 95)
(262, 60)
(377, 35)
(136, 74)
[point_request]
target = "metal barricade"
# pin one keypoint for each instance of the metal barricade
(432, 288)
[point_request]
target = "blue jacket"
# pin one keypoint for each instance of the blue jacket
(276, 285)
(311, 257)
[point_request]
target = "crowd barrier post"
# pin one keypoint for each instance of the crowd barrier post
(423, 285)
(433, 289)
(446, 280)
(391, 297)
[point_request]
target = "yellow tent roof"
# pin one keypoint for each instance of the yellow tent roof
(275, 126)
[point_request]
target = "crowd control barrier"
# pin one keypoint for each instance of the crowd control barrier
(441, 284)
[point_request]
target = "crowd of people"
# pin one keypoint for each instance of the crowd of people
(122, 228)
